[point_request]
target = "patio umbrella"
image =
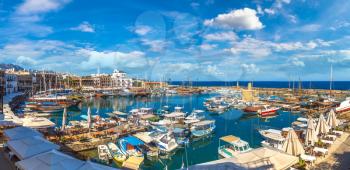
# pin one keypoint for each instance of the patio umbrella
(332, 120)
(311, 136)
(64, 117)
(292, 144)
(322, 126)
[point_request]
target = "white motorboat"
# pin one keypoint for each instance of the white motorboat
(196, 115)
(273, 138)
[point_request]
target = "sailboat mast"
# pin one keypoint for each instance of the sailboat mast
(331, 81)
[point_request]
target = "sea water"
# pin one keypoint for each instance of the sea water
(233, 122)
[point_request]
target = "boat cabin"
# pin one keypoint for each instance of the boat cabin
(232, 146)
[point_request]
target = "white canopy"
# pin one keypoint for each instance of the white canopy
(292, 144)
(88, 165)
(20, 132)
(311, 136)
(259, 158)
(332, 120)
(322, 127)
(28, 147)
(52, 160)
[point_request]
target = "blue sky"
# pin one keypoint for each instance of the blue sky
(180, 40)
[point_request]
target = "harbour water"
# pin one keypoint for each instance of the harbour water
(233, 122)
(337, 85)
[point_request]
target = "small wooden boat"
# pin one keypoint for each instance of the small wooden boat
(117, 154)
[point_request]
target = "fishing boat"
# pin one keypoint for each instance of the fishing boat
(202, 128)
(196, 115)
(344, 106)
(267, 111)
(233, 146)
(130, 146)
(103, 153)
(273, 138)
(117, 154)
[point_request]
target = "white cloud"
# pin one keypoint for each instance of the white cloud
(112, 59)
(309, 28)
(213, 70)
(84, 27)
(259, 10)
(27, 61)
(240, 19)
(249, 69)
(269, 11)
(221, 36)
(261, 48)
(143, 30)
(40, 6)
(296, 62)
(208, 46)
(154, 45)
(195, 5)
(276, 7)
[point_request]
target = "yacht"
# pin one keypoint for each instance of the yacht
(165, 141)
(273, 138)
(232, 146)
(196, 115)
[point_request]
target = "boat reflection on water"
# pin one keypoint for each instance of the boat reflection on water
(197, 143)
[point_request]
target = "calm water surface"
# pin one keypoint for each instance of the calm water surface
(233, 122)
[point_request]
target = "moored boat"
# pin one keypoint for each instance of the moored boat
(273, 138)
(267, 111)
(117, 154)
(202, 128)
(344, 106)
(234, 145)
(103, 153)
(130, 146)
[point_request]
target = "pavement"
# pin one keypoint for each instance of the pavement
(339, 157)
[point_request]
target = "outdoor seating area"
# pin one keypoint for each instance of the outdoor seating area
(320, 138)
(26, 149)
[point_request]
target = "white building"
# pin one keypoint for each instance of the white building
(120, 79)
(11, 82)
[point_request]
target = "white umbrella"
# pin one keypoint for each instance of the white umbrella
(64, 117)
(89, 117)
(322, 127)
(292, 144)
(311, 136)
(332, 120)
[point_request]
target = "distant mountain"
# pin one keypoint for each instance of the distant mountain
(10, 66)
